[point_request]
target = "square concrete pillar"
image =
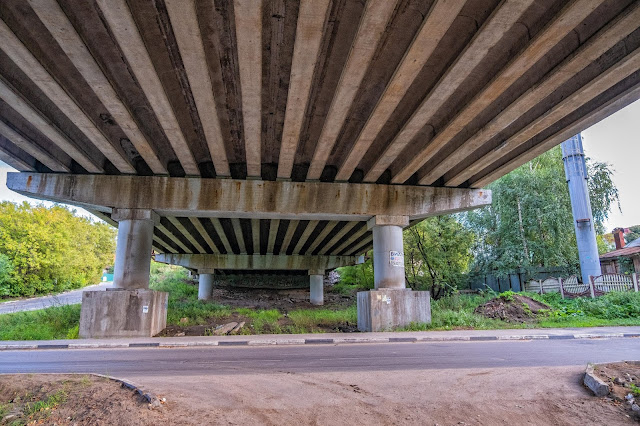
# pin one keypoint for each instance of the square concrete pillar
(123, 313)
(388, 309)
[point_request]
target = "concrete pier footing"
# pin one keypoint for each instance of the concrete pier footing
(316, 289)
(123, 313)
(205, 286)
(389, 309)
(130, 309)
(390, 305)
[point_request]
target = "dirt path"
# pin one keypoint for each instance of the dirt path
(510, 396)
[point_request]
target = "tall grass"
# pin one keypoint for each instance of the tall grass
(60, 322)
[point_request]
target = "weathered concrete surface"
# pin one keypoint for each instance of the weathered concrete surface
(316, 290)
(123, 313)
(247, 198)
(388, 257)
(205, 286)
(133, 248)
(210, 262)
(593, 382)
(387, 309)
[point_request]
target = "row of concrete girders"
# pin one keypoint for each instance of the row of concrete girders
(303, 218)
(580, 61)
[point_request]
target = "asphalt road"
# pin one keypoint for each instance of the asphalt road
(156, 362)
(69, 298)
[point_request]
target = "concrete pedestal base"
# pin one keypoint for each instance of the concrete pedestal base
(123, 313)
(387, 309)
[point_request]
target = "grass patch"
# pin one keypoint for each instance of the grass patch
(312, 319)
(50, 403)
(60, 322)
(612, 309)
(183, 297)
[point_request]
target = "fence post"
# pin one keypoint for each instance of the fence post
(592, 287)
(541, 288)
(561, 289)
(635, 281)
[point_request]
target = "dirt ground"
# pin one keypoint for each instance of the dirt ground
(491, 396)
(622, 377)
(72, 400)
(283, 300)
(514, 309)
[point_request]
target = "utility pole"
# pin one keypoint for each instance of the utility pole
(575, 169)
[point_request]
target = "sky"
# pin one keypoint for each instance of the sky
(614, 140)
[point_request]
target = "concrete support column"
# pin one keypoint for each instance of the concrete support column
(133, 248)
(205, 286)
(316, 290)
(388, 251)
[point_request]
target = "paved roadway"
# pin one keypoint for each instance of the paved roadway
(154, 362)
(68, 298)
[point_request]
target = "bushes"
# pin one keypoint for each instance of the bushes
(45, 250)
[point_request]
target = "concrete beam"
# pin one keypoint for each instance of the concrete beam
(28, 63)
(551, 35)
(203, 233)
(184, 21)
(55, 135)
(488, 36)
(305, 236)
(293, 225)
(248, 20)
(434, 27)
(311, 19)
(616, 104)
(16, 157)
(209, 262)
(595, 47)
(248, 198)
(629, 65)
(223, 236)
(125, 31)
(69, 40)
(373, 23)
(33, 149)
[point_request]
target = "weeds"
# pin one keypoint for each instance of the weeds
(46, 324)
(48, 404)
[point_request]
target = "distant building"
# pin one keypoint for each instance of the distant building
(611, 263)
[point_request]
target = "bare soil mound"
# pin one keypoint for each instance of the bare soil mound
(623, 379)
(73, 400)
(512, 308)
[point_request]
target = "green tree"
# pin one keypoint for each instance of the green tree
(437, 254)
(633, 234)
(529, 223)
(50, 249)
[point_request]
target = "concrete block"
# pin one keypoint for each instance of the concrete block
(593, 382)
(388, 309)
(123, 313)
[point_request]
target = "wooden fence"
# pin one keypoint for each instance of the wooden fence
(597, 286)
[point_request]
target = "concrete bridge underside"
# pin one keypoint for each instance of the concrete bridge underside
(296, 128)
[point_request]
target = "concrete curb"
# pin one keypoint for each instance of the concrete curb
(593, 382)
(276, 341)
(150, 398)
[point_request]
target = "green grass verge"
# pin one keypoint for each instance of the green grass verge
(60, 322)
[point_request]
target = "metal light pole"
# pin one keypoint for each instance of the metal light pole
(575, 169)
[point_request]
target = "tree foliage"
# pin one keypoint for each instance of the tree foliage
(437, 254)
(46, 250)
(633, 234)
(529, 223)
